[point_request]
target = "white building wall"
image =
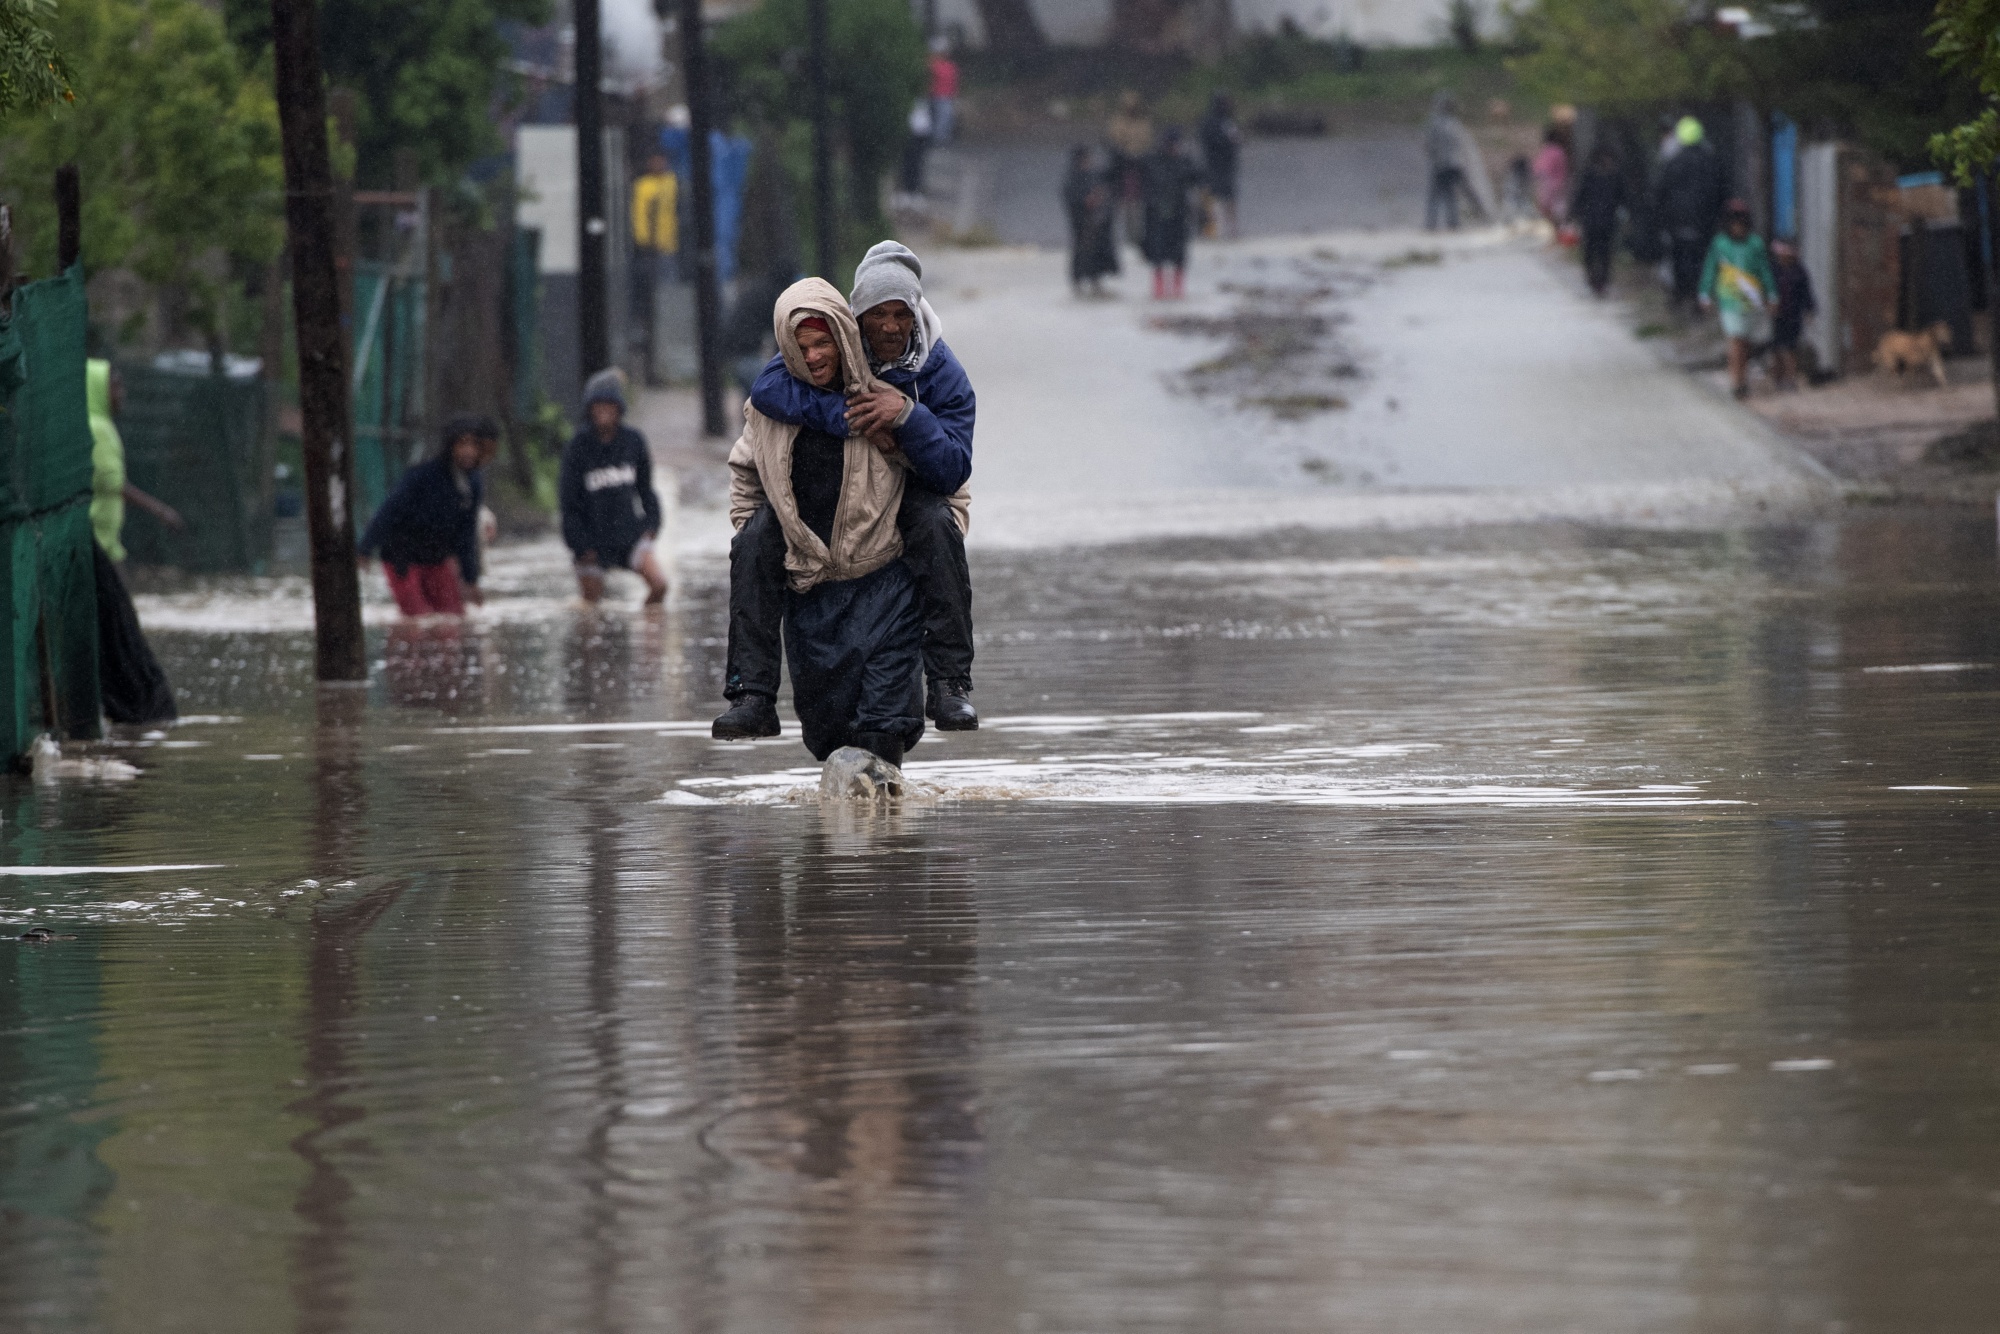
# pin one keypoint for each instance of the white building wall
(1371, 22)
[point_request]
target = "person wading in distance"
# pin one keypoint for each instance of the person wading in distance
(610, 512)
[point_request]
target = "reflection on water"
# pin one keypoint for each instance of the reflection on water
(1509, 931)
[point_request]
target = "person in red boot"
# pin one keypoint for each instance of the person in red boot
(1169, 179)
(427, 531)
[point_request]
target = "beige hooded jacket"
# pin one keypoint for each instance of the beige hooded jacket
(760, 463)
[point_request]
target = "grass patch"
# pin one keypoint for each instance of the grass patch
(1411, 259)
(1296, 407)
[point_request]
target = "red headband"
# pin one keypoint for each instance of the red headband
(813, 322)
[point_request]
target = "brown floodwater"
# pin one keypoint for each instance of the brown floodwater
(1516, 930)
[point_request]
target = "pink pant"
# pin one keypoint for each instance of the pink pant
(427, 590)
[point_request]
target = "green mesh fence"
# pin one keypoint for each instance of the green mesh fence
(48, 641)
(388, 362)
(197, 440)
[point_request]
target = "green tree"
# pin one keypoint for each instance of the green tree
(1968, 42)
(177, 146)
(1861, 69)
(33, 72)
(428, 73)
(1857, 68)
(876, 67)
(1622, 54)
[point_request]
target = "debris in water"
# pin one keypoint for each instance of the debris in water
(1413, 258)
(51, 767)
(852, 774)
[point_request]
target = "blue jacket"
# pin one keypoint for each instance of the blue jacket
(936, 437)
(427, 519)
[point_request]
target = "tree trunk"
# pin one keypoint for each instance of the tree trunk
(593, 230)
(328, 430)
(1011, 25)
(701, 194)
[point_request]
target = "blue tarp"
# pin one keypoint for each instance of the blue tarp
(729, 169)
(1784, 179)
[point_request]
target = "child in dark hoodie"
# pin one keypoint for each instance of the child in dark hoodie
(428, 528)
(610, 512)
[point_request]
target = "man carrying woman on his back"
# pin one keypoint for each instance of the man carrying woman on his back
(853, 620)
(917, 404)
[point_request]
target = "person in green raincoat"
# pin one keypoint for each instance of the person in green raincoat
(132, 687)
(109, 491)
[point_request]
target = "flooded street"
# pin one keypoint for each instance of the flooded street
(1509, 929)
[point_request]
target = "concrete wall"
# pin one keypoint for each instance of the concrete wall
(1370, 22)
(1374, 22)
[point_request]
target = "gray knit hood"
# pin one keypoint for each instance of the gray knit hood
(891, 271)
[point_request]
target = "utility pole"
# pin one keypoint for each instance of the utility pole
(323, 398)
(825, 232)
(701, 211)
(592, 306)
(69, 217)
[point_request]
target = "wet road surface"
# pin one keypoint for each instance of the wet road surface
(1513, 929)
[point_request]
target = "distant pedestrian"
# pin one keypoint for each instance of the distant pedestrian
(610, 512)
(916, 149)
(104, 399)
(1222, 153)
(427, 531)
(1551, 171)
(1793, 306)
(944, 92)
(1687, 199)
(656, 244)
(1170, 179)
(1598, 198)
(1129, 133)
(1517, 191)
(1444, 148)
(746, 335)
(1093, 223)
(1737, 282)
(131, 685)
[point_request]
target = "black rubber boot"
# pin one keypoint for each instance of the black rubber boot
(950, 706)
(753, 715)
(884, 745)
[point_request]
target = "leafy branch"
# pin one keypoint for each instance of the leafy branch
(33, 74)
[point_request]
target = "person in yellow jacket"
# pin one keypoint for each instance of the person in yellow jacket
(109, 491)
(656, 245)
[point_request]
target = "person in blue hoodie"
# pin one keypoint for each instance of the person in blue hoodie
(928, 411)
(610, 512)
(427, 531)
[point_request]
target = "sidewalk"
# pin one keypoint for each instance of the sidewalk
(1894, 440)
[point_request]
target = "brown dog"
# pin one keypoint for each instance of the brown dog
(1900, 352)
